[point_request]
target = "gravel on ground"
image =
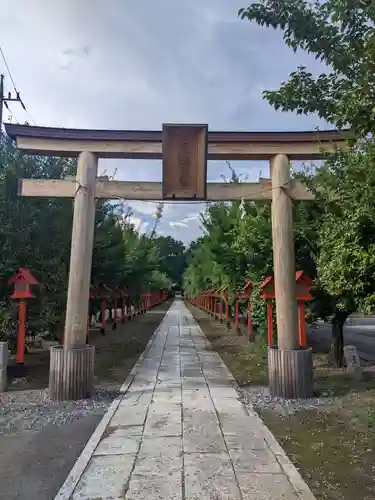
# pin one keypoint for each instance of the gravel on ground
(260, 398)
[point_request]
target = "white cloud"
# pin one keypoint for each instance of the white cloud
(177, 223)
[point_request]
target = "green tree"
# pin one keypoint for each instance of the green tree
(340, 34)
(346, 242)
(171, 258)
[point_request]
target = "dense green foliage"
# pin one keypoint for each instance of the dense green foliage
(237, 246)
(340, 34)
(172, 258)
(36, 234)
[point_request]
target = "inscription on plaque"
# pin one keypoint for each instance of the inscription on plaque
(184, 162)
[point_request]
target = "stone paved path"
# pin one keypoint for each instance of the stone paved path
(179, 431)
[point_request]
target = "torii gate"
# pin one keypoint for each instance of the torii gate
(184, 150)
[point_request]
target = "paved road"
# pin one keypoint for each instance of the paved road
(358, 331)
(35, 463)
(179, 431)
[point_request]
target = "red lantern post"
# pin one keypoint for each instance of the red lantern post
(103, 294)
(22, 281)
(267, 288)
(236, 297)
(247, 293)
(303, 289)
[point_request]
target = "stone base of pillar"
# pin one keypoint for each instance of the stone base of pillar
(3, 365)
(71, 373)
(290, 373)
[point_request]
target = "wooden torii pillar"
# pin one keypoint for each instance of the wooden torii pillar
(184, 150)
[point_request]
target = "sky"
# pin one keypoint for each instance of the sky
(124, 64)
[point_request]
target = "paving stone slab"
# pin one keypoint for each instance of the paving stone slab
(105, 478)
(129, 416)
(117, 444)
(251, 460)
(136, 398)
(165, 447)
(164, 423)
(244, 442)
(210, 477)
(197, 399)
(266, 487)
(156, 480)
(201, 432)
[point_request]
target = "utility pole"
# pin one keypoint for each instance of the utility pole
(5, 99)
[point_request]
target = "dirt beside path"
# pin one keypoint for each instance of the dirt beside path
(41, 440)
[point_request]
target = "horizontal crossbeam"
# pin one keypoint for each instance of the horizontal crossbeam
(217, 191)
(148, 144)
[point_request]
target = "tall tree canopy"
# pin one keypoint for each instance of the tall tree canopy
(340, 34)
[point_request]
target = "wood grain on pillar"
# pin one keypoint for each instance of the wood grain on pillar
(283, 254)
(81, 251)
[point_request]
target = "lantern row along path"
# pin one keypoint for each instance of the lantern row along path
(179, 431)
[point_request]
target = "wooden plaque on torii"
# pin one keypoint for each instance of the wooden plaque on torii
(184, 150)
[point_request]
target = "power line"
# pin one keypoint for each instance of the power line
(7, 67)
(4, 99)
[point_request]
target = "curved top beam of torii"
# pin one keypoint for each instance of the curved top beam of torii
(142, 144)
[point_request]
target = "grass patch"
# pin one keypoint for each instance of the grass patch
(333, 446)
(246, 361)
(335, 458)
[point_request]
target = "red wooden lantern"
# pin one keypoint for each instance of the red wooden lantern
(303, 293)
(267, 288)
(22, 280)
(246, 294)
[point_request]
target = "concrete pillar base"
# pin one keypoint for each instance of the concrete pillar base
(71, 373)
(290, 373)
